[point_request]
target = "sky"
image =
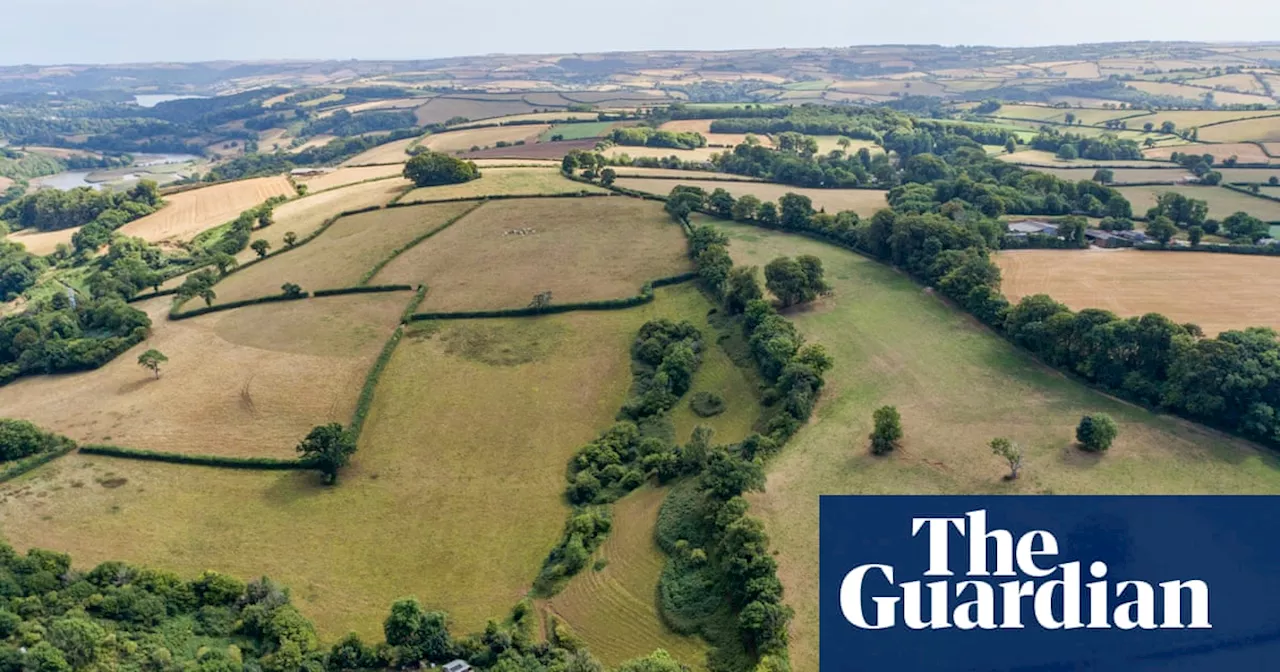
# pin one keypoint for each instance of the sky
(123, 31)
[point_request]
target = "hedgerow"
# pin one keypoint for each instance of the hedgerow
(366, 289)
(274, 298)
(365, 400)
(645, 296)
(262, 463)
(412, 243)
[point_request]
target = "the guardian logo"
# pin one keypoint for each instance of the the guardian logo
(1011, 583)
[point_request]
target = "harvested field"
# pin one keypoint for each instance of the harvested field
(461, 141)
(341, 255)
(613, 609)
(42, 242)
(1249, 175)
(190, 212)
(504, 182)
(862, 201)
(306, 214)
(540, 150)
(1035, 157)
(1222, 202)
(391, 152)
(703, 126)
(250, 382)
(1198, 118)
(1122, 175)
(350, 175)
(1216, 291)
(443, 108)
(1266, 129)
(1244, 152)
(701, 154)
(580, 249)
(1243, 83)
(1058, 115)
(315, 141)
(957, 385)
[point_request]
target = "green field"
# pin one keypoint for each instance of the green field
(1222, 201)
(957, 386)
(580, 131)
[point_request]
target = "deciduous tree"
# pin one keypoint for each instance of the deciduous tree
(887, 434)
(152, 359)
(328, 448)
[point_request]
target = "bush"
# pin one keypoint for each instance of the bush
(1096, 432)
(888, 430)
(430, 169)
(707, 404)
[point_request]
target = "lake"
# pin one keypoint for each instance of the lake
(79, 178)
(153, 99)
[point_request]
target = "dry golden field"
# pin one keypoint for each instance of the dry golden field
(1196, 93)
(442, 109)
(1219, 292)
(42, 242)
(1266, 129)
(190, 212)
(391, 152)
(702, 154)
(341, 255)
(247, 382)
(504, 182)
(580, 249)
(304, 215)
(349, 175)
(1243, 83)
(1222, 201)
(1244, 152)
(862, 201)
(1035, 157)
(464, 140)
(703, 126)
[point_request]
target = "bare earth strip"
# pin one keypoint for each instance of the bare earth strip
(304, 215)
(249, 382)
(865, 202)
(339, 257)
(190, 212)
(580, 249)
(1216, 291)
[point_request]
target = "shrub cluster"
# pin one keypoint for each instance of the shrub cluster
(707, 404)
(55, 336)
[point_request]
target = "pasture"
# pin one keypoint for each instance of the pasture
(443, 108)
(862, 201)
(464, 140)
(504, 182)
(1243, 152)
(343, 176)
(1216, 291)
(701, 155)
(613, 609)
(957, 386)
(540, 150)
(1222, 202)
(190, 212)
(1265, 129)
(1196, 93)
(547, 117)
(304, 215)
(396, 151)
(1122, 175)
(1036, 157)
(1248, 175)
(580, 249)
(578, 131)
(249, 382)
(341, 255)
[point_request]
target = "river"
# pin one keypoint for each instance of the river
(79, 178)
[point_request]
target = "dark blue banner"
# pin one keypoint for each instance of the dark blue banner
(1049, 583)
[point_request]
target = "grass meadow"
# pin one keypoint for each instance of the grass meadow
(957, 385)
(341, 255)
(463, 140)
(247, 383)
(580, 249)
(504, 182)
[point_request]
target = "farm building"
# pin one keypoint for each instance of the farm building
(1107, 239)
(457, 666)
(1027, 227)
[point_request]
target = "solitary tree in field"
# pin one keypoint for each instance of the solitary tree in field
(328, 448)
(1011, 452)
(1148, 127)
(291, 290)
(887, 434)
(1010, 146)
(541, 300)
(1104, 176)
(607, 176)
(290, 239)
(302, 189)
(261, 246)
(1096, 432)
(152, 359)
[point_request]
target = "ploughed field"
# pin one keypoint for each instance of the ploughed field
(1219, 292)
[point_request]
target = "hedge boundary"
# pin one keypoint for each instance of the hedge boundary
(362, 289)
(274, 298)
(258, 463)
(377, 268)
(31, 462)
(412, 307)
(500, 197)
(645, 296)
(1256, 250)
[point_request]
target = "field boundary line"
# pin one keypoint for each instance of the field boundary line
(257, 463)
(365, 401)
(32, 462)
(377, 268)
(646, 295)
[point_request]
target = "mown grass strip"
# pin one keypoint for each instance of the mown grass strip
(364, 279)
(260, 463)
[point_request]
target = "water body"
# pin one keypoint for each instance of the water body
(79, 178)
(67, 180)
(153, 99)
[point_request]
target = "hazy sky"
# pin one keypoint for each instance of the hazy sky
(113, 31)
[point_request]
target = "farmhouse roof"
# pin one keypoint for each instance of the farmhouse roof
(457, 666)
(1098, 234)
